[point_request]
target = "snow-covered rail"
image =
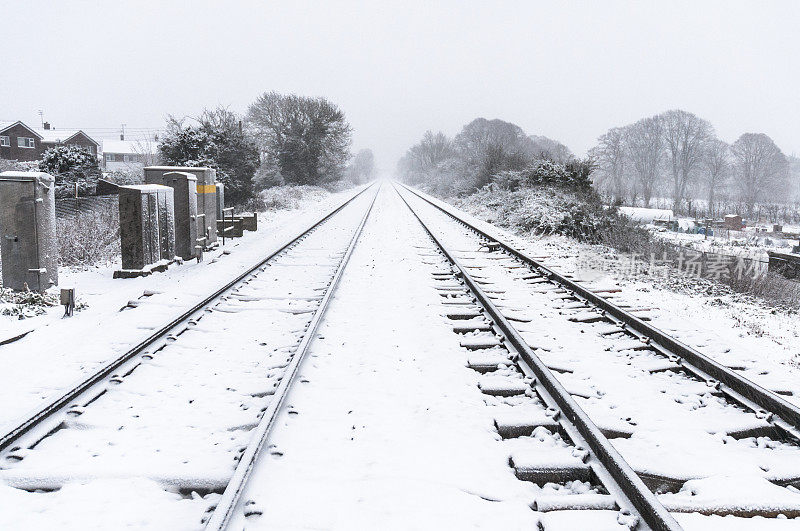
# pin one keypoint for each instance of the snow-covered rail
(189, 408)
(704, 439)
(591, 451)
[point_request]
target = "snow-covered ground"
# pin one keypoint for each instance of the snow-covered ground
(59, 352)
(387, 427)
(699, 312)
(668, 427)
(174, 425)
(747, 243)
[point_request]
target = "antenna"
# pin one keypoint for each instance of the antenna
(41, 117)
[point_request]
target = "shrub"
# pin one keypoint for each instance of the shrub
(71, 165)
(289, 197)
(90, 237)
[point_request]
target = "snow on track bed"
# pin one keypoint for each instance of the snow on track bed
(390, 429)
(60, 351)
(694, 447)
(165, 438)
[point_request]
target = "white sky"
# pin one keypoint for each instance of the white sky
(567, 70)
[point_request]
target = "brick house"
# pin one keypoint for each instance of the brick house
(23, 143)
(67, 137)
(19, 142)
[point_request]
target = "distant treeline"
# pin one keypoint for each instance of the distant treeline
(676, 155)
(490, 152)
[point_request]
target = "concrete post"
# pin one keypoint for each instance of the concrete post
(147, 225)
(206, 195)
(220, 200)
(29, 248)
(186, 221)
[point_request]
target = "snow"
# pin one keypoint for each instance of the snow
(647, 215)
(389, 429)
(57, 135)
(59, 352)
(674, 426)
(387, 426)
(128, 147)
(180, 418)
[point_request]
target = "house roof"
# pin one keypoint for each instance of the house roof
(8, 125)
(61, 135)
(128, 147)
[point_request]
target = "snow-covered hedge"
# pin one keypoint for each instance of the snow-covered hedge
(542, 210)
(288, 197)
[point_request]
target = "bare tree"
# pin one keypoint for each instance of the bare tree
(644, 143)
(362, 168)
(490, 146)
(760, 168)
(685, 136)
(426, 158)
(610, 157)
(307, 139)
(716, 165)
(547, 148)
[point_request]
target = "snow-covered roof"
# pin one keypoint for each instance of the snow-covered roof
(647, 215)
(129, 147)
(6, 125)
(60, 135)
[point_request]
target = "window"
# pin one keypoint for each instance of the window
(131, 158)
(25, 142)
(109, 157)
(5, 141)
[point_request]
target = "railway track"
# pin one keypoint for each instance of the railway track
(618, 424)
(701, 439)
(186, 411)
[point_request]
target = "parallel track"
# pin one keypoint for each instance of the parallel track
(776, 418)
(47, 419)
(617, 476)
(782, 414)
(231, 497)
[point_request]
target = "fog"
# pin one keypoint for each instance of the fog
(568, 71)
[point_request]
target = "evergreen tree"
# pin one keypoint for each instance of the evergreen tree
(217, 141)
(71, 165)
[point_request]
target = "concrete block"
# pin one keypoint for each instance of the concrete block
(233, 227)
(249, 221)
(28, 224)
(187, 223)
(206, 195)
(147, 225)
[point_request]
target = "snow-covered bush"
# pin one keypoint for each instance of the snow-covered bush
(573, 174)
(24, 304)
(89, 237)
(71, 165)
(543, 210)
(289, 197)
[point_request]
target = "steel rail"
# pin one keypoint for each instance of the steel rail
(634, 494)
(232, 495)
(767, 405)
(47, 414)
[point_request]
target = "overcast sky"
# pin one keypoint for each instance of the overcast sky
(567, 70)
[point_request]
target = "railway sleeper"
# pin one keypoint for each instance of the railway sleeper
(501, 386)
(540, 468)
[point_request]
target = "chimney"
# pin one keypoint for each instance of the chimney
(46, 126)
(122, 136)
